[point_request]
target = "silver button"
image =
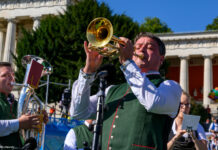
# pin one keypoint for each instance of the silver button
(114, 126)
(117, 116)
(112, 137)
(110, 148)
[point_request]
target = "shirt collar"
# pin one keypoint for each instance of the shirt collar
(9, 99)
(87, 124)
(174, 129)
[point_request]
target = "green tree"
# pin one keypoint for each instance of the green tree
(154, 25)
(213, 26)
(59, 40)
(198, 109)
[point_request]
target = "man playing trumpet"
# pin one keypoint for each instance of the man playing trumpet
(9, 125)
(139, 112)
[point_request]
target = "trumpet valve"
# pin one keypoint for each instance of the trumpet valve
(40, 125)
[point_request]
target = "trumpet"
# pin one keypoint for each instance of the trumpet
(100, 34)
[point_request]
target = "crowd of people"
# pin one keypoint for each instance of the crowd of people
(145, 112)
(211, 129)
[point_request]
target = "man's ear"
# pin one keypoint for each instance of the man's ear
(161, 60)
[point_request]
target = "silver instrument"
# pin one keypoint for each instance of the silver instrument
(27, 96)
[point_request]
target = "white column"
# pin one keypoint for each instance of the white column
(10, 40)
(2, 41)
(184, 80)
(36, 22)
(208, 78)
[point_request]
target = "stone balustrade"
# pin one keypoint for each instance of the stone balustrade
(19, 4)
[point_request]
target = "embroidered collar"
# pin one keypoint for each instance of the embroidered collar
(9, 99)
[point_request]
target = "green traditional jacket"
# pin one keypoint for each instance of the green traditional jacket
(127, 124)
(83, 134)
(8, 112)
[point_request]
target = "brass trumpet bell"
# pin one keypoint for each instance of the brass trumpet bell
(100, 33)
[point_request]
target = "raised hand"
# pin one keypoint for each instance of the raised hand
(126, 51)
(179, 133)
(93, 60)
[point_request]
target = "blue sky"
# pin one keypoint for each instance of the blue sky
(179, 15)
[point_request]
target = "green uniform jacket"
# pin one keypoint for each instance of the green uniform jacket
(128, 126)
(8, 112)
(83, 134)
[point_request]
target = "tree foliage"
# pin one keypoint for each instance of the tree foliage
(154, 25)
(198, 109)
(213, 26)
(59, 40)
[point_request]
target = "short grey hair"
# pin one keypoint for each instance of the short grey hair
(160, 43)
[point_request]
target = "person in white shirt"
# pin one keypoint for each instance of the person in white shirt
(213, 126)
(140, 64)
(9, 123)
(178, 138)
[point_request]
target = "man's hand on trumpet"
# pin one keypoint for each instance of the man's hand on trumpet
(93, 60)
(126, 51)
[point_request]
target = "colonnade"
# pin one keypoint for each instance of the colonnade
(208, 76)
(8, 38)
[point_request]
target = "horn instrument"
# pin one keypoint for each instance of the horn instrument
(28, 97)
(100, 34)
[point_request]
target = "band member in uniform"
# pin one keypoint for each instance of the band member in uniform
(9, 124)
(139, 112)
(79, 137)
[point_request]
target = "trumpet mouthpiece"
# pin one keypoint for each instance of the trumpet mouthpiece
(139, 56)
(17, 84)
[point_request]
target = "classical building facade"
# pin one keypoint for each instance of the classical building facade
(193, 61)
(193, 57)
(25, 13)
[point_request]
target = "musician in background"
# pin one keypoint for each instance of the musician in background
(178, 138)
(79, 137)
(9, 124)
(140, 112)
